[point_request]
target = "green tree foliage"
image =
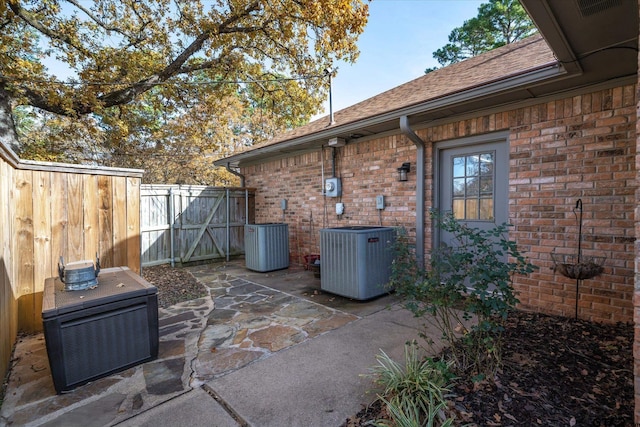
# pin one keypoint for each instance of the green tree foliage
(166, 85)
(499, 22)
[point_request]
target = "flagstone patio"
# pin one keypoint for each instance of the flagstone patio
(246, 317)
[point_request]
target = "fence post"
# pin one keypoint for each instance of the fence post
(228, 242)
(171, 227)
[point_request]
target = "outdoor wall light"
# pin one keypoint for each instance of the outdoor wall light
(403, 170)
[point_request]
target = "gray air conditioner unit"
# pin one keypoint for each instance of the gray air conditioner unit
(266, 246)
(356, 261)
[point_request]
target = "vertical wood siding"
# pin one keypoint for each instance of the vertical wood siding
(58, 210)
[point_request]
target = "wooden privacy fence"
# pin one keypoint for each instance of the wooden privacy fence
(189, 223)
(48, 210)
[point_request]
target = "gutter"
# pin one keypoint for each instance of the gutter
(420, 198)
(236, 173)
(540, 74)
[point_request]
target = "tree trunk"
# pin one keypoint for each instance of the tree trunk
(8, 134)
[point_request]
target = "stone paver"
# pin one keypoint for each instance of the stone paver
(252, 321)
(198, 343)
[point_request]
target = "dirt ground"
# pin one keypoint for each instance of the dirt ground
(556, 372)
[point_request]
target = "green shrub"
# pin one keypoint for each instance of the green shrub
(468, 282)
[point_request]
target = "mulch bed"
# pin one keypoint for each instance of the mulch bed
(556, 372)
(174, 284)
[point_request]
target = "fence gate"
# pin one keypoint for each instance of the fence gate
(181, 224)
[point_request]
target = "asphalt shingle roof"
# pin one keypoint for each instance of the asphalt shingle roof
(510, 60)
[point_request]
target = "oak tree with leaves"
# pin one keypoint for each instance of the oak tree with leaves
(165, 84)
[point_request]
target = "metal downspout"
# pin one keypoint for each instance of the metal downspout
(238, 174)
(406, 129)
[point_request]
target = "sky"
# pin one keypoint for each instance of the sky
(397, 46)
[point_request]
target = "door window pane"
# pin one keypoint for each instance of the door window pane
(472, 209)
(458, 167)
(486, 185)
(473, 165)
(486, 164)
(458, 187)
(486, 209)
(473, 186)
(458, 208)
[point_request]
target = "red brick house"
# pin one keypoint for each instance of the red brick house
(554, 116)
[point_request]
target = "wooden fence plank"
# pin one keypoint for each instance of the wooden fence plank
(42, 240)
(119, 222)
(24, 261)
(105, 219)
(8, 297)
(91, 217)
(59, 217)
(133, 224)
(75, 224)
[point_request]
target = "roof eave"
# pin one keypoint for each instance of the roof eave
(548, 25)
(316, 140)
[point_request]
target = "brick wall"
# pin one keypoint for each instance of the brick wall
(636, 295)
(582, 147)
(576, 148)
(366, 169)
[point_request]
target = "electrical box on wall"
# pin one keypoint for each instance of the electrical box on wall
(332, 187)
(380, 202)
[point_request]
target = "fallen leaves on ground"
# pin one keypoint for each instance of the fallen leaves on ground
(174, 284)
(556, 372)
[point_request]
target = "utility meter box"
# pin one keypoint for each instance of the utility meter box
(332, 187)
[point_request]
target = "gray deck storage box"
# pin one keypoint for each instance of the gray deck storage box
(96, 332)
(266, 246)
(355, 262)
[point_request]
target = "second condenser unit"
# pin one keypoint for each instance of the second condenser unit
(266, 246)
(356, 261)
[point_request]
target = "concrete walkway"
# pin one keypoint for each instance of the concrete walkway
(264, 349)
